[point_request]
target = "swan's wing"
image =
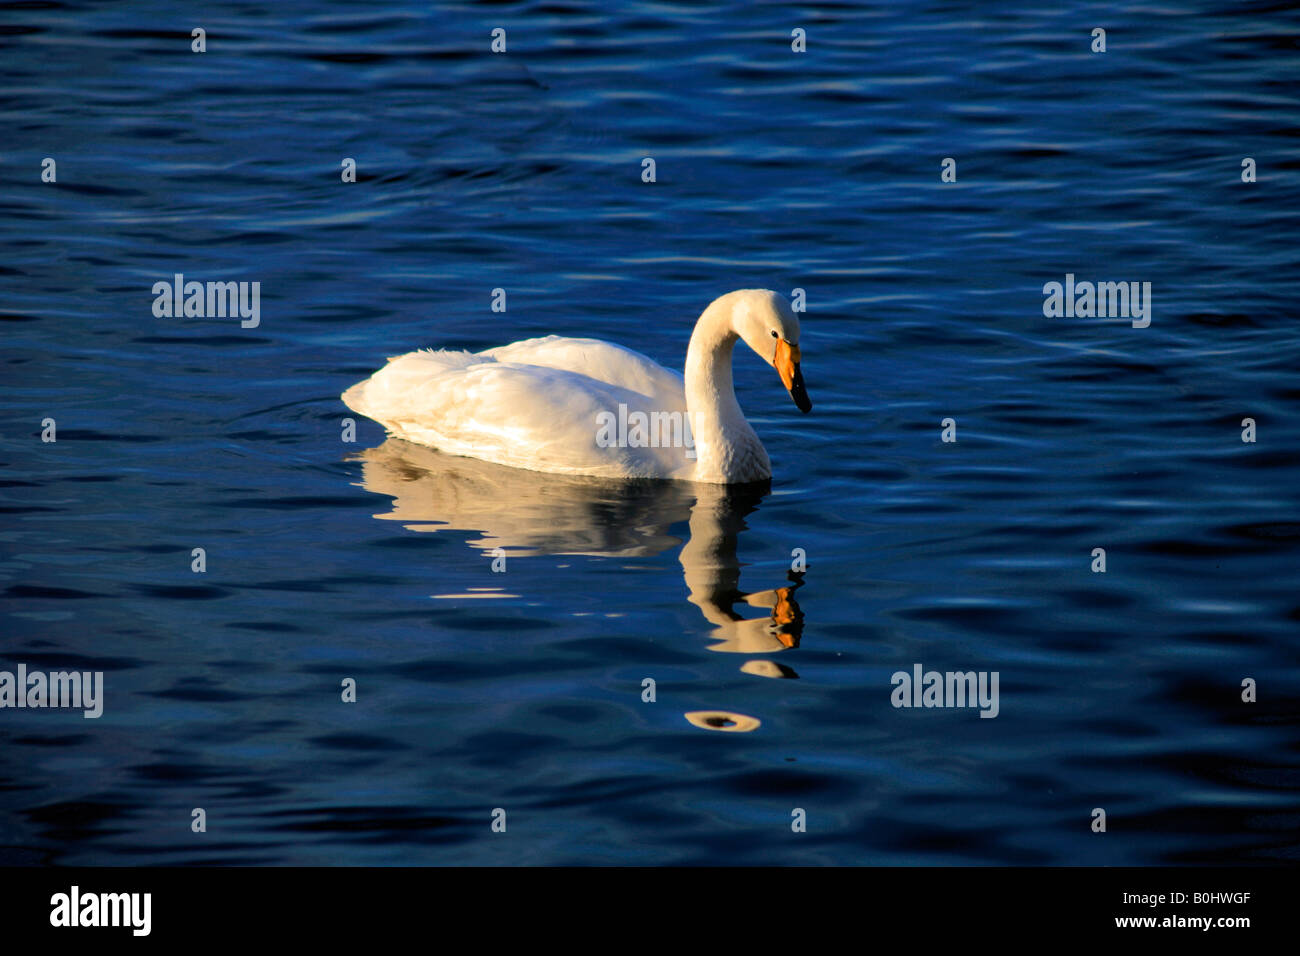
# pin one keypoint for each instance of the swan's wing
(602, 361)
(525, 416)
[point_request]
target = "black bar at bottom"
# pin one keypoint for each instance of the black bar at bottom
(331, 906)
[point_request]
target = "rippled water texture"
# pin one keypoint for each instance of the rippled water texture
(522, 690)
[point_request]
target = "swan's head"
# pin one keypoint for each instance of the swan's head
(767, 324)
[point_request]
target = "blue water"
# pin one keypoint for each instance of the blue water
(522, 689)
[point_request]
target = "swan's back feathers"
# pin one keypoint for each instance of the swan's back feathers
(603, 361)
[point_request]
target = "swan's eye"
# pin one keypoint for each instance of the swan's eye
(774, 333)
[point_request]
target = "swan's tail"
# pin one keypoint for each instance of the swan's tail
(355, 399)
(381, 395)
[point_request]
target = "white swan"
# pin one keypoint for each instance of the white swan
(587, 407)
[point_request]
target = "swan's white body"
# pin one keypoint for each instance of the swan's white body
(547, 404)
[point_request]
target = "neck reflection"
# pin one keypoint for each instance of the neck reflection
(711, 568)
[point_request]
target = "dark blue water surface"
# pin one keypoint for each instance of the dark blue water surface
(522, 689)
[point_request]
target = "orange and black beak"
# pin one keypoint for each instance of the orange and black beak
(787, 366)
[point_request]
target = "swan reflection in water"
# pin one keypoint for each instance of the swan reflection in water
(530, 513)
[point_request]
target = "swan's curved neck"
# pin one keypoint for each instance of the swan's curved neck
(710, 394)
(726, 447)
